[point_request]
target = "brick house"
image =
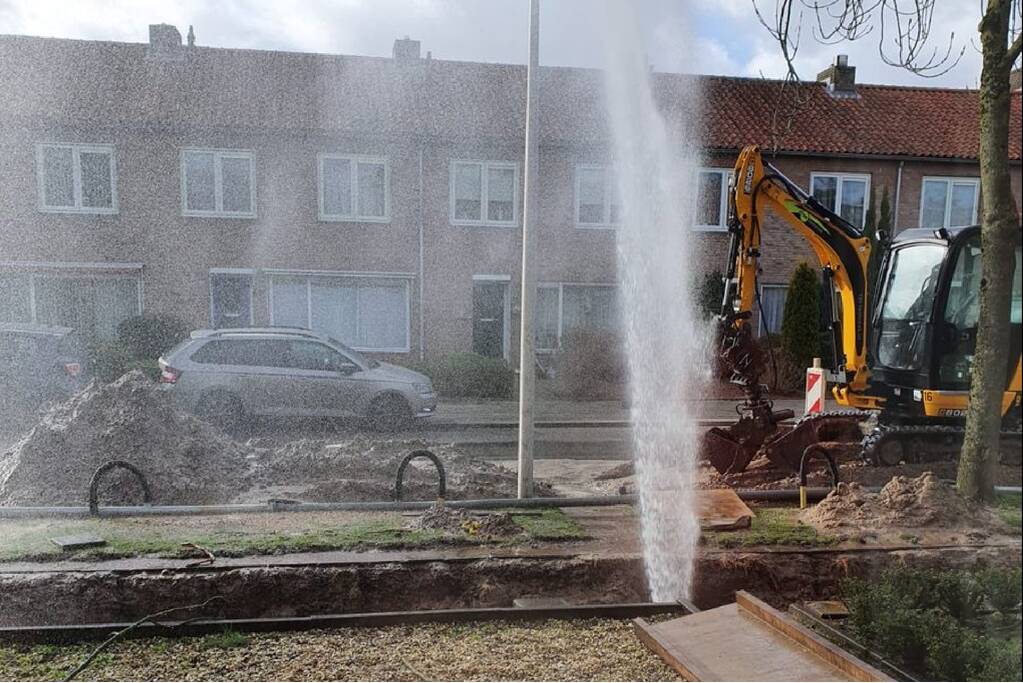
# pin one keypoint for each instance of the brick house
(380, 198)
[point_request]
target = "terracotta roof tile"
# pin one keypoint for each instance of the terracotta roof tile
(110, 84)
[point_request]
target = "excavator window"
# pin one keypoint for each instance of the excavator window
(906, 308)
(957, 341)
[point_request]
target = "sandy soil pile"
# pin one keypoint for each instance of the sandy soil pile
(482, 525)
(364, 467)
(187, 461)
(183, 459)
(904, 502)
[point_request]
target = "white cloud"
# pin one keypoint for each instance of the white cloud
(730, 40)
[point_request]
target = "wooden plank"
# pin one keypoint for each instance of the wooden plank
(646, 636)
(749, 641)
(852, 666)
(723, 645)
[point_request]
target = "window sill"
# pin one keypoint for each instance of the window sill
(484, 224)
(710, 228)
(325, 218)
(597, 226)
(79, 211)
(217, 214)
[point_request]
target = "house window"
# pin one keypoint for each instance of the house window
(76, 178)
(596, 197)
(561, 309)
(354, 188)
(845, 194)
(484, 193)
(772, 298)
(93, 304)
(217, 183)
(367, 313)
(711, 196)
(949, 202)
(230, 298)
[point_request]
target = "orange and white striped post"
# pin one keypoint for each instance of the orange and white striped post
(815, 385)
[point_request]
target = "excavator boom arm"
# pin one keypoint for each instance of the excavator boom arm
(842, 253)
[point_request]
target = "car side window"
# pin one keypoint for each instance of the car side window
(310, 355)
(250, 352)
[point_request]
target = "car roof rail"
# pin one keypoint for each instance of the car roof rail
(231, 331)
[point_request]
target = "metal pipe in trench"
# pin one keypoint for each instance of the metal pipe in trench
(767, 495)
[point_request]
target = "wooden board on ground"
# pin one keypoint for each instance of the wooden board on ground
(722, 510)
(750, 641)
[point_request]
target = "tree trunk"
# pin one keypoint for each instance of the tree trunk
(1000, 231)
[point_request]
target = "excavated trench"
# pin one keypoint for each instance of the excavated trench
(36, 598)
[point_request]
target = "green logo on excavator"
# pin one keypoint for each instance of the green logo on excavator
(806, 217)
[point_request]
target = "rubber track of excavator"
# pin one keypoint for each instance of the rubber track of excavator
(933, 443)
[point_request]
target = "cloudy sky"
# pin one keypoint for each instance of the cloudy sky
(702, 36)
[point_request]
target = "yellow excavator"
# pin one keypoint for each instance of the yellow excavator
(902, 348)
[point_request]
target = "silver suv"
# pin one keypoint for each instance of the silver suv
(231, 374)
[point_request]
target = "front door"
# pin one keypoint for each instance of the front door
(230, 300)
(488, 313)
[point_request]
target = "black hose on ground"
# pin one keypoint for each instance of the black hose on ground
(399, 479)
(114, 465)
(811, 452)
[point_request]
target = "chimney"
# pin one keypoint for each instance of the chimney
(164, 42)
(1015, 80)
(840, 77)
(405, 50)
(191, 36)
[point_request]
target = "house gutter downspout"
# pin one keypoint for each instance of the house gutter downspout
(898, 193)
(422, 305)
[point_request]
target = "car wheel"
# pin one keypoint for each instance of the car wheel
(222, 409)
(390, 413)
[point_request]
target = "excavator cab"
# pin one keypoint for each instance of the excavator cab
(924, 326)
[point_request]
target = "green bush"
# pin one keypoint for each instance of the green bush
(147, 336)
(469, 375)
(109, 360)
(590, 365)
(940, 624)
(800, 328)
(711, 293)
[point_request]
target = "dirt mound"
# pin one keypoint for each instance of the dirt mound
(363, 468)
(903, 502)
(183, 459)
(481, 525)
(187, 461)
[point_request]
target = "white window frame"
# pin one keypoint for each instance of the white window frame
(725, 173)
(34, 270)
(309, 276)
(841, 178)
(485, 167)
(218, 183)
(76, 169)
(560, 286)
(609, 192)
(353, 175)
(760, 319)
(949, 181)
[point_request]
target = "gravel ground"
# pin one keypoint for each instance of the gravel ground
(556, 650)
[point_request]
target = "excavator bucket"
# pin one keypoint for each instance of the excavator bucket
(724, 452)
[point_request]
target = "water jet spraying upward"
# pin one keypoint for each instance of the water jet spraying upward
(664, 335)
